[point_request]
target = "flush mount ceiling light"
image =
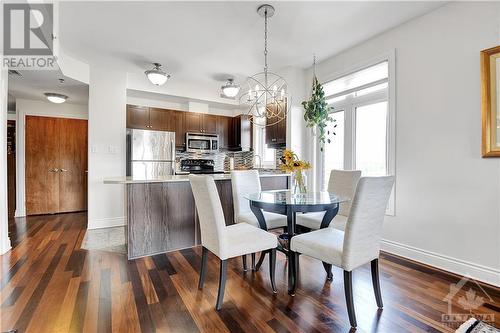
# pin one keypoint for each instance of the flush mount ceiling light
(230, 89)
(266, 92)
(156, 75)
(56, 98)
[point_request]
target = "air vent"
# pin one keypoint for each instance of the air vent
(14, 72)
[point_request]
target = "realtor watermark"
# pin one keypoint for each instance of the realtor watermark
(28, 36)
(469, 304)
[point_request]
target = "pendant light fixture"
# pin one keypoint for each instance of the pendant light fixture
(230, 89)
(266, 92)
(156, 75)
(56, 98)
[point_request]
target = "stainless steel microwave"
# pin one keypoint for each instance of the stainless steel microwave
(202, 143)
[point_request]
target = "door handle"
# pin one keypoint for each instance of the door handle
(54, 170)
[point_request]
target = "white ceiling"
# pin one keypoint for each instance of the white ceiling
(34, 83)
(203, 43)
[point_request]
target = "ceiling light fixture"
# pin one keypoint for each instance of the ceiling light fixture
(266, 93)
(230, 89)
(56, 98)
(156, 75)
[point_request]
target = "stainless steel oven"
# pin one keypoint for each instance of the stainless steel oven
(202, 143)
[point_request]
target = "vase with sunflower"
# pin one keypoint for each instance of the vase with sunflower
(290, 163)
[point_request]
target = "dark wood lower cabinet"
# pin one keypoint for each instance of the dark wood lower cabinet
(162, 217)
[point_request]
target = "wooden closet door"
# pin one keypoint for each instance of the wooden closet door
(72, 165)
(42, 164)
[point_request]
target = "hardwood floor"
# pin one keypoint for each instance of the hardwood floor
(49, 284)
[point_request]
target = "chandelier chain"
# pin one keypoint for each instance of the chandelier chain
(265, 41)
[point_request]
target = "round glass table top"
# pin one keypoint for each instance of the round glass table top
(286, 197)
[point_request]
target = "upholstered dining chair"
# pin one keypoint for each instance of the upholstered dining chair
(342, 183)
(246, 182)
(226, 241)
(358, 245)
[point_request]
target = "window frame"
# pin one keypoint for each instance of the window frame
(349, 106)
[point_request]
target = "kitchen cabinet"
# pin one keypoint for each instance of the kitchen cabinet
(224, 130)
(200, 123)
(138, 117)
(242, 133)
(276, 133)
(192, 122)
(209, 124)
(235, 133)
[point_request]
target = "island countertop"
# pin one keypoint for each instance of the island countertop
(180, 178)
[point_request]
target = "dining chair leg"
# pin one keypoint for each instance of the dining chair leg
(244, 258)
(272, 269)
(293, 267)
(348, 298)
(261, 260)
(204, 256)
(376, 283)
(253, 261)
(222, 284)
(328, 269)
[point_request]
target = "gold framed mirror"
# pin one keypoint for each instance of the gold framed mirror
(490, 101)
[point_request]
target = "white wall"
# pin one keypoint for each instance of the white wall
(26, 107)
(448, 197)
(4, 234)
(298, 137)
(107, 122)
(175, 104)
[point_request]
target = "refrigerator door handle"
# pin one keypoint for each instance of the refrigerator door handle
(173, 156)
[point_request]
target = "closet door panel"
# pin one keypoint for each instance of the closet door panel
(41, 165)
(73, 165)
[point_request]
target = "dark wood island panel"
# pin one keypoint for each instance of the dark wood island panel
(162, 217)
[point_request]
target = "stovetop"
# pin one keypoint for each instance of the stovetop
(198, 166)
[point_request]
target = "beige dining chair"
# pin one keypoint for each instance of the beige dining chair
(246, 182)
(226, 241)
(358, 245)
(343, 183)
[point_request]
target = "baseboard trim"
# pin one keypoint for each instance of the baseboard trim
(461, 267)
(19, 213)
(5, 246)
(108, 222)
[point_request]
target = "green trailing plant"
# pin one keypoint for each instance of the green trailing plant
(317, 113)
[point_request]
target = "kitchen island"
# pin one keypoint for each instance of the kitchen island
(161, 213)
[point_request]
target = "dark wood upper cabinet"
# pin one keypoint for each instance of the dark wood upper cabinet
(177, 121)
(276, 132)
(224, 129)
(235, 133)
(243, 136)
(138, 117)
(192, 122)
(209, 124)
(159, 120)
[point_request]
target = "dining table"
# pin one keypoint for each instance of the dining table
(286, 202)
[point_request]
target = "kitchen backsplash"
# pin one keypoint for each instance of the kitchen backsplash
(242, 159)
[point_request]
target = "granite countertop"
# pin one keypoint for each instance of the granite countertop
(179, 178)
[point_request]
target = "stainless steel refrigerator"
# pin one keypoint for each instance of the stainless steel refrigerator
(150, 154)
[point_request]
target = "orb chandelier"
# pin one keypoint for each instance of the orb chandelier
(266, 93)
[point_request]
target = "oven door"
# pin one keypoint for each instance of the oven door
(195, 143)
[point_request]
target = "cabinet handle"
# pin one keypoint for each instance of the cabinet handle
(273, 140)
(63, 170)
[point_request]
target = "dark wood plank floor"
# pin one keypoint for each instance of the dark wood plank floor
(49, 284)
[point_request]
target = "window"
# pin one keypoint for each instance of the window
(364, 133)
(267, 155)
